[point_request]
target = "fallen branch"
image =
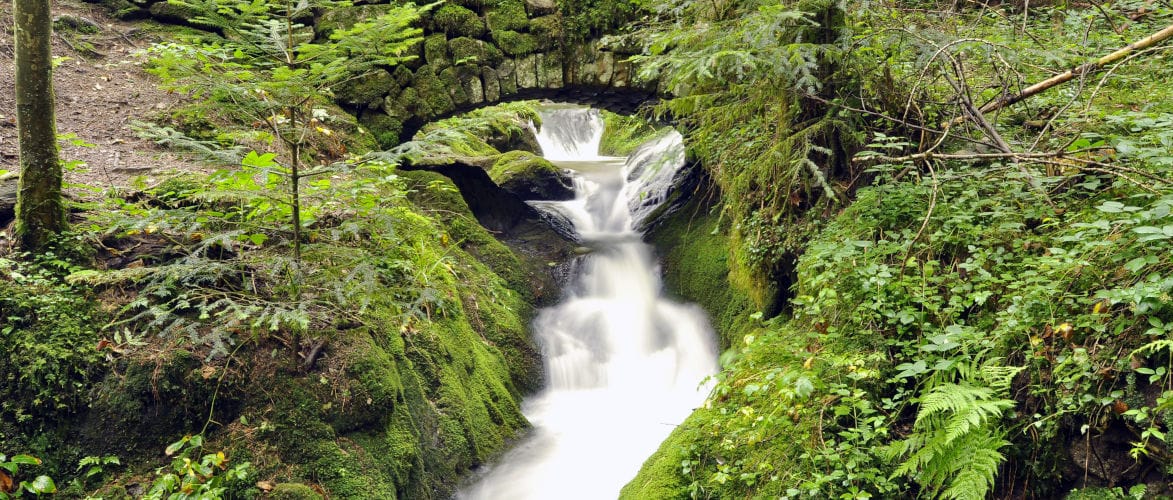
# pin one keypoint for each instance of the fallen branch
(1057, 158)
(1071, 74)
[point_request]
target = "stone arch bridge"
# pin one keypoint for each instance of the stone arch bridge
(475, 53)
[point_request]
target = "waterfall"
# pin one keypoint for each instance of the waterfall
(624, 363)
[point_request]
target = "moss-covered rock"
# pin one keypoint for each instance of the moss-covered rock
(338, 18)
(507, 15)
(466, 50)
(694, 247)
(383, 127)
(513, 43)
(433, 93)
(450, 79)
(293, 491)
(436, 51)
(455, 20)
(547, 30)
(541, 7)
(531, 177)
(368, 90)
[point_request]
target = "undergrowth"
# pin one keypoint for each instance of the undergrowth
(974, 310)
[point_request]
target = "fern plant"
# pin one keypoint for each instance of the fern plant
(953, 449)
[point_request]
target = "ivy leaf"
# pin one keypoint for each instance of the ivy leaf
(43, 484)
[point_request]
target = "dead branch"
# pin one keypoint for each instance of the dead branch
(1071, 74)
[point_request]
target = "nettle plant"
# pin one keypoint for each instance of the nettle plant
(270, 70)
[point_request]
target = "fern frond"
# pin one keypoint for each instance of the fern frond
(955, 444)
(999, 377)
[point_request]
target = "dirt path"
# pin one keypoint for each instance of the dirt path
(99, 93)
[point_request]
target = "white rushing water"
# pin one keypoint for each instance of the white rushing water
(624, 363)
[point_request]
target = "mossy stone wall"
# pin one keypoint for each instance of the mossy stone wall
(473, 54)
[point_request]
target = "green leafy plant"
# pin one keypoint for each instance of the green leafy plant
(193, 476)
(93, 469)
(10, 467)
(274, 73)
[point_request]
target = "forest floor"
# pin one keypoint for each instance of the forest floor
(101, 89)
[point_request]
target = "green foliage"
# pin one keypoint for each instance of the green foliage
(48, 328)
(741, 87)
(195, 477)
(585, 20)
(906, 314)
(10, 468)
(274, 73)
(953, 443)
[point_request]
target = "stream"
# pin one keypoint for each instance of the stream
(624, 363)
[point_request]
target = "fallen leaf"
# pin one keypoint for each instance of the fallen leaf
(7, 485)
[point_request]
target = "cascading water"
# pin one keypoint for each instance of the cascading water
(624, 364)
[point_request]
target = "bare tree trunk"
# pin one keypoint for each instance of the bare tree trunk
(40, 212)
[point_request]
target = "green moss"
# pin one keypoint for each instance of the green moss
(436, 51)
(492, 55)
(547, 30)
(383, 127)
(466, 50)
(507, 15)
(454, 20)
(516, 164)
(293, 491)
(433, 94)
(402, 76)
(409, 102)
(450, 79)
(367, 90)
(623, 133)
(515, 44)
(694, 248)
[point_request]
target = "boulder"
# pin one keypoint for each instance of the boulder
(531, 177)
(541, 7)
(8, 188)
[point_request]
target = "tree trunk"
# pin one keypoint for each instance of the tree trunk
(40, 212)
